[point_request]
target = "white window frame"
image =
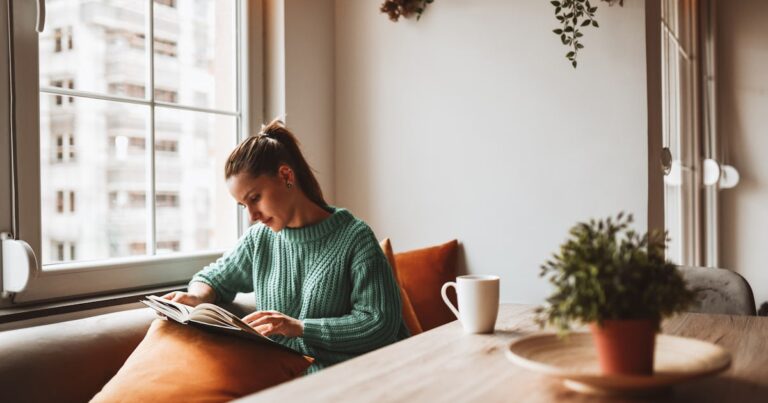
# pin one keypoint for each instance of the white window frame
(67, 280)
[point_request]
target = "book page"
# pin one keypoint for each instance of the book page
(231, 318)
(165, 310)
(174, 310)
(224, 315)
(211, 318)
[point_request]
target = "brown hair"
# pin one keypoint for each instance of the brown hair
(263, 153)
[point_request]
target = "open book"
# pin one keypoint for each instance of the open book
(211, 317)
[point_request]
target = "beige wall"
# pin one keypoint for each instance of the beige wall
(471, 124)
(742, 46)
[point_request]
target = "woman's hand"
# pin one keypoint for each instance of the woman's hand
(184, 298)
(196, 294)
(272, 322)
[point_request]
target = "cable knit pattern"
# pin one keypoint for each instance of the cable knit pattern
(332, 275)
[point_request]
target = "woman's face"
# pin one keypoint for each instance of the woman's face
(267, 199)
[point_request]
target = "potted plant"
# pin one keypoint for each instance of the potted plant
(619, 282)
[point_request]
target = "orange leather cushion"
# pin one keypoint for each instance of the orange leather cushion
(422, 273)
(178, 363)
(409, 315)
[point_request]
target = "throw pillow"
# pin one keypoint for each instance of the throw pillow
(409, 315)
(178, 363)
(422, 273)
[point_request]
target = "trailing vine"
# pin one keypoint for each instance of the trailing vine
(404, 8)
(575, 15)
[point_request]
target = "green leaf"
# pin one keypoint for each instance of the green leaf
(555, 3)
(570, 54)
(579, 46)
(557, 31)
(586, 22)
(594, 24)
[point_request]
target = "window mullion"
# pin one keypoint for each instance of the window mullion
(149, 95)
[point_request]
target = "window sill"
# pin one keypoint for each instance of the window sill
(13, 314)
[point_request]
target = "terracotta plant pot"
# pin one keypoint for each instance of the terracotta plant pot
(625, 347)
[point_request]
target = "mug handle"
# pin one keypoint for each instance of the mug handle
(445, 297)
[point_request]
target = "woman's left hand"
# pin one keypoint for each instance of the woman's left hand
(272, 322)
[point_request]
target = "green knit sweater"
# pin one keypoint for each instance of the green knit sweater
(331, 275)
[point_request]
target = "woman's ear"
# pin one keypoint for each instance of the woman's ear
(285, 173)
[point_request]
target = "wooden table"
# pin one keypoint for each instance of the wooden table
(446, 365)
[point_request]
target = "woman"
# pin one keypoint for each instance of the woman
(322, 284)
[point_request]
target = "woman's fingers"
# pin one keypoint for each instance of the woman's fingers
(170, 295)
(269, 318)
(258, 314)
(272, 322)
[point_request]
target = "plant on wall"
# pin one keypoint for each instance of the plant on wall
(404, 8)
(574, 15)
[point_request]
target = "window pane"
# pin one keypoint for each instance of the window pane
(194, 209)
(93, 203)
(108, 34)
(195, 53)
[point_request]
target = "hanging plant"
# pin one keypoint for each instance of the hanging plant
(575, 15)
(404, 8)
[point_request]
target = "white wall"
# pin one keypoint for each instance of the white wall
(471, 124)
(300, 78)
(742, 86)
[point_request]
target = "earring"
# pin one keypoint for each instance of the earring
(288, 185)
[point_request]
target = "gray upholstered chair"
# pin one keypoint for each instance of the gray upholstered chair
(719, 291)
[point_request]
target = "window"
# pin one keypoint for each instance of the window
(165, 47)
(59, 39)
(68, 83)
(167, 199)
(65, 148)
(130, 103)
(63, 251)
(57, 36)
(65, 201)
(169, 3)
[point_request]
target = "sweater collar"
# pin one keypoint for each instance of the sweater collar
(338, 218)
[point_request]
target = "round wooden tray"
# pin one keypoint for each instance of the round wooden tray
(574, 359)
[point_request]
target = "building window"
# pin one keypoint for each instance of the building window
(71, 147)
(70, 41)
(64, 149)
(167, 246)
(59, 148)
(63, 251)
(166, 95)
(165, 47)
(65, 83)
(59, 201)
(170, 146)
(57, 36)
(168, 3)
(167, 199)
(137, 248)
(65, 201)
(58, 39)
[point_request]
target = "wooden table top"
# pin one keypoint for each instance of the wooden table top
(444, 364)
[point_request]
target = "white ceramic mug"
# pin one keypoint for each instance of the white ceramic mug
(478, 299)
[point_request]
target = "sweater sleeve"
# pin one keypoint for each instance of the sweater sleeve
(376, 315)
(231, 273)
